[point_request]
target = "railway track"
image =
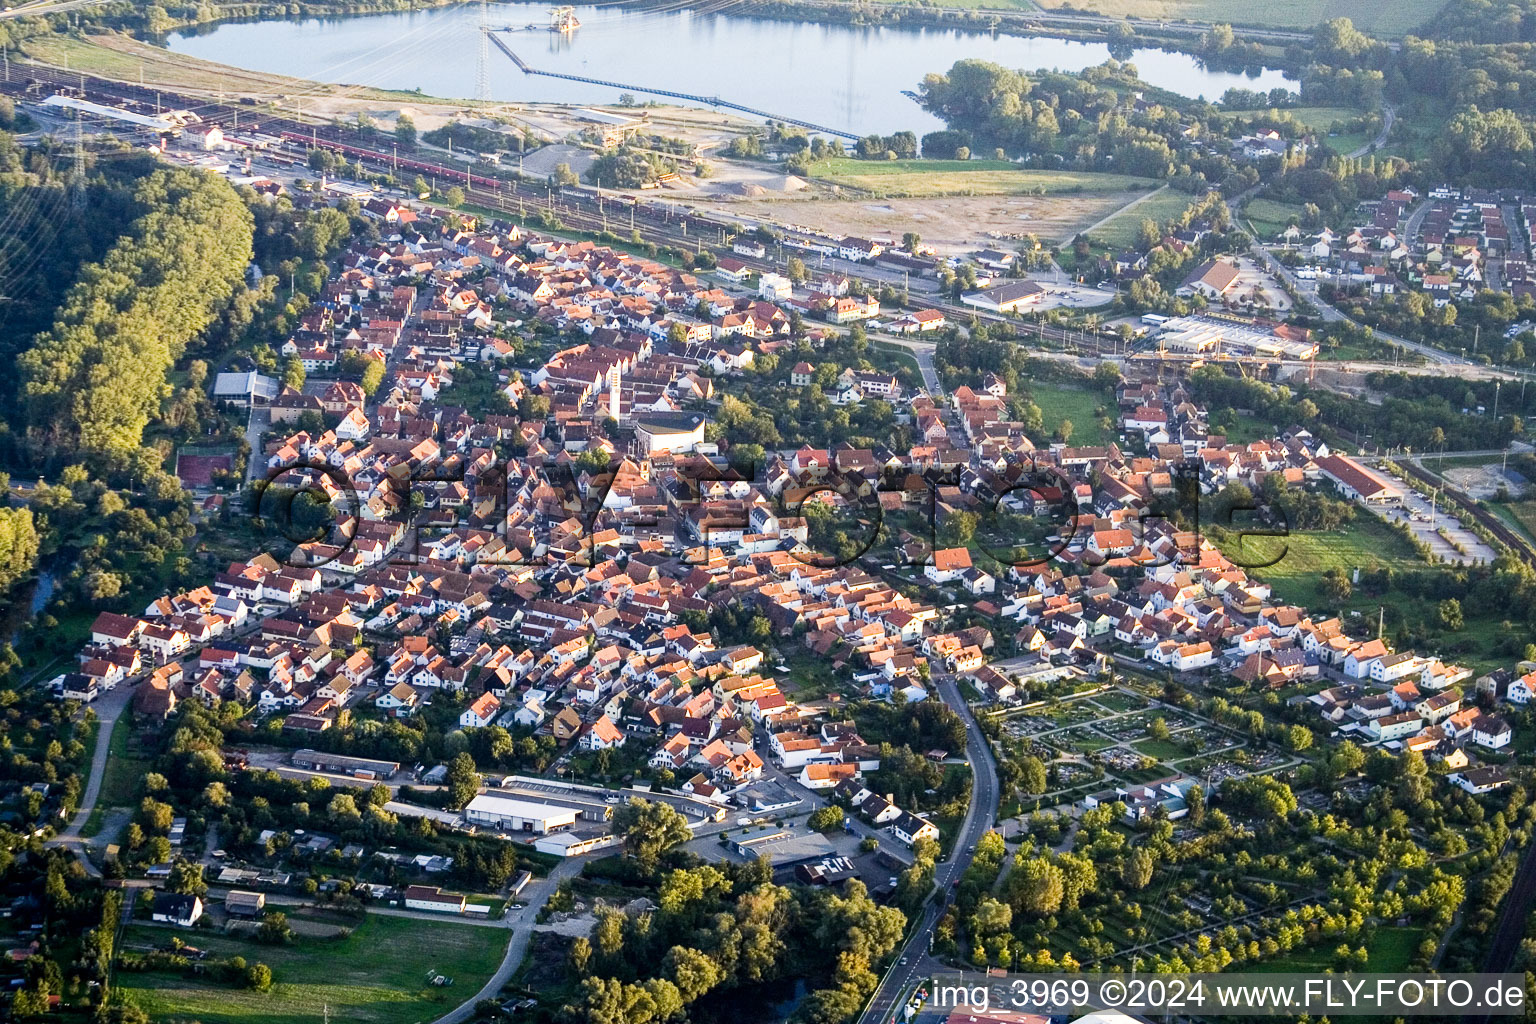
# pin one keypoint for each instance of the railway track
(660, 222)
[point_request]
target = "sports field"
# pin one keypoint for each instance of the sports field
(376, 975)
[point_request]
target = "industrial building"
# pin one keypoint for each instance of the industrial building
(576, 842)
(588, 806)
(1214, 336)
(510, 815)
(782, 847)
(427, 897)
(338, 764)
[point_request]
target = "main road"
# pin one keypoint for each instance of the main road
(913, 964)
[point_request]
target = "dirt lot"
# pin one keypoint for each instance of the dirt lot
(1483, 482)
(951, 224)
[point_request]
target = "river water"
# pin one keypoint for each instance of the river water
(844, 77)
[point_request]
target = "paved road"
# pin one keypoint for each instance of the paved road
(259, 421)
(1388, 115)
(521, 923)
(108, 710)
(914, 964)
(922, 351)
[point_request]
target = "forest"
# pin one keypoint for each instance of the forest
(92, 383)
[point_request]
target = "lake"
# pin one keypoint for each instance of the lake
(844, 77)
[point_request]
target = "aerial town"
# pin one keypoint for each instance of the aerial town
(639, 558)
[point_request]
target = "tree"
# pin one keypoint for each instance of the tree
(564, 176)
(580, 955)
(405, 131)
(959, 528)
(649, 829)
(293, 373)
(692, 971)
(1136, 873)
(344, 807)
(186, 877)
(1336, 586)
(826, 819)
(1450, 614)
(274, 929)
(1347, 759)
(1064, 431)
(1033, 777)
(463, 780)
(258, 977)
(373, 376)
(19, 544)
(1036, 886)
(156, 816)
(794, 269)
(1195, 798)
(910, 240)
(92, 383)
(454, 196)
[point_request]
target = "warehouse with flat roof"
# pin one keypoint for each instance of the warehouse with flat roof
(511, 815)
(340, 764)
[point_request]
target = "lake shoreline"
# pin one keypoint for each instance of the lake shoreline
(850, 77)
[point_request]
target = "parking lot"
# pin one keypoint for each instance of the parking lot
(1442, 532)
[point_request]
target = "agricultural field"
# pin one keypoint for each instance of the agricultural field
(927, 178)
(376, 975)
(1120, 230)
(1269, 217)
(1377, 19)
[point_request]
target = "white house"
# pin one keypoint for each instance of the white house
(909, 828)
(948, 565)
(481, 713)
